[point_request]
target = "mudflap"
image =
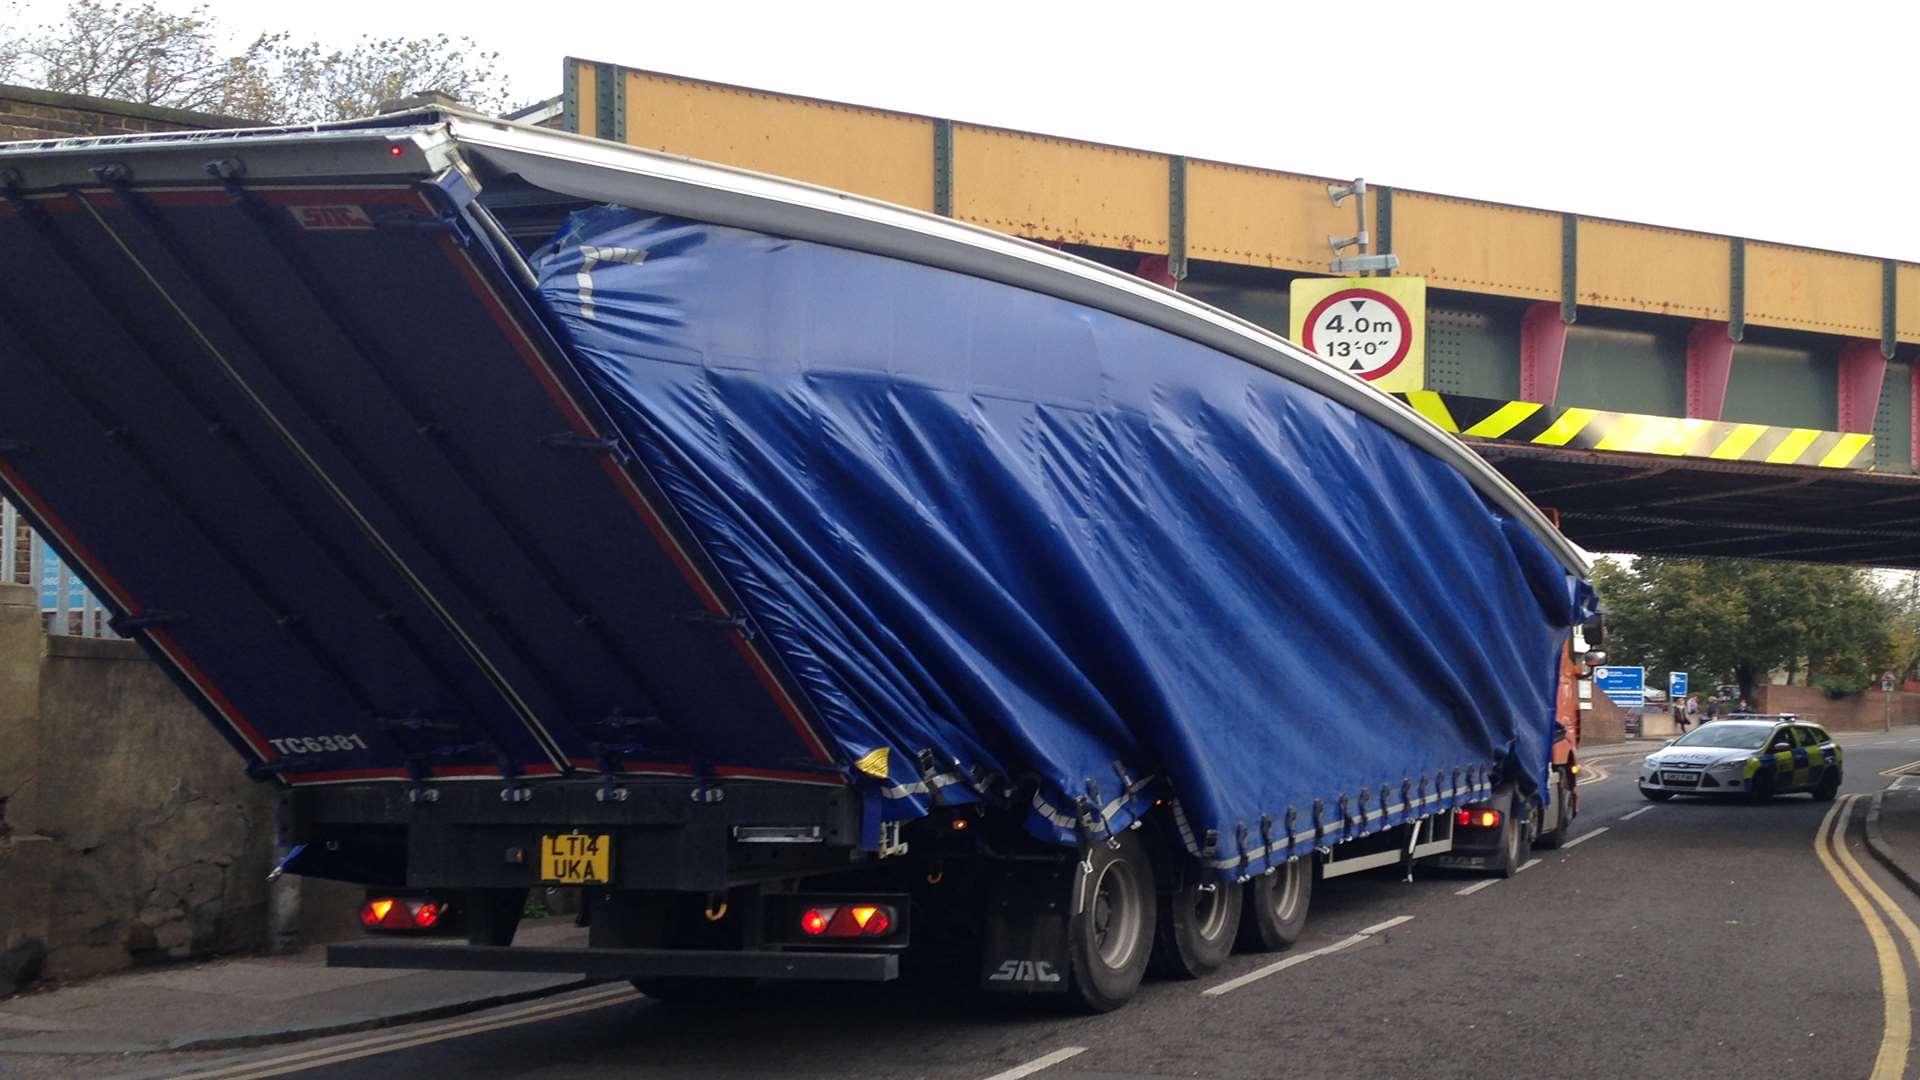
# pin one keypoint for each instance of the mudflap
(1028, 908)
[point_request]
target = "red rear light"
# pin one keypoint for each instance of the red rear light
(389, 913)
(848, 921)
(1477, 819)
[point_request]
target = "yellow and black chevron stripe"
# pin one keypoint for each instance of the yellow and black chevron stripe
(1636, 433)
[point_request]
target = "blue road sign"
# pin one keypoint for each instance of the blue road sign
(51, 570)
(1676, 685)
(1624, 686)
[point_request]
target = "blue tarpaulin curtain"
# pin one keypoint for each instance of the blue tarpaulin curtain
(993, 532)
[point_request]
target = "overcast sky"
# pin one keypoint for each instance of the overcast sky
(1787, 122)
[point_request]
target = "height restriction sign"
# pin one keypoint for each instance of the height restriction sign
(1371, 328)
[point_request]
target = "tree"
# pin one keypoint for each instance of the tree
(1729, 619)
(155, 57)
(139, 54)
(1902, 596)
(10, 44)
(307, 83)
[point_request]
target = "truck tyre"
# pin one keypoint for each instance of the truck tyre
(1274, 912)
(1562, 809)
(1197, 927)
(1111, 938)
(492, 915)
(1513, 838)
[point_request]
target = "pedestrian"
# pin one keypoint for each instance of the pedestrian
(1680, 714)
(1693, 710)
(1713, 709)
(1744, 707)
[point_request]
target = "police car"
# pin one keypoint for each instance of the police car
(1757, 757)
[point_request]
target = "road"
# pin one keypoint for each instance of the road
(1685, 937)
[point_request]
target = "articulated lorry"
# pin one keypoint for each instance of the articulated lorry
(813, 582)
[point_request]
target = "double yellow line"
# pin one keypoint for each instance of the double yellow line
(404, 1039)
(1830, 844)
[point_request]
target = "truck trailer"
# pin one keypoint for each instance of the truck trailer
(814, 583)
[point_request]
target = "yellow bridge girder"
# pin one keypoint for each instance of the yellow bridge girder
(1057, 189)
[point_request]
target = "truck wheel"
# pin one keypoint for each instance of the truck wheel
(1563, 811)
(1513, 839)
(1109, 941)
(1197, 927)
(1274, 913)
(492, 915)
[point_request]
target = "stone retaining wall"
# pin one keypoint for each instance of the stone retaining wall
(129, 832)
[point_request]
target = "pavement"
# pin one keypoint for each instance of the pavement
(1893, 830)
(259, 1001)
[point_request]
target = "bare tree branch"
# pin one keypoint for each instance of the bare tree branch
(152, 56)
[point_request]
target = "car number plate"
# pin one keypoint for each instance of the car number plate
(576, 858)
(1679, 778)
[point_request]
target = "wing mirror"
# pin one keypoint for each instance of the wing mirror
(1595, 658)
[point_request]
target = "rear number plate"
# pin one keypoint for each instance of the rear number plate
(576, 859)
(1685, 778)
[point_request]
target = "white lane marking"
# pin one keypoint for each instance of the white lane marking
(1388, 925)
(1476, 887)
(1637, 813)
(1279, 966)
(1584, 837)
(1528, 865)
(1047, 1061)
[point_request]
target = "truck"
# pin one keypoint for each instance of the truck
(815, 584)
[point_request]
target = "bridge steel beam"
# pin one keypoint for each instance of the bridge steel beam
(1709, 366)
(1543, 346)
(1862, 370)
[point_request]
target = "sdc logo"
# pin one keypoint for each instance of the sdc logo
(331, 217)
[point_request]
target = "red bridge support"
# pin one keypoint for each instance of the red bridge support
(1862, 370)
(1543, 345)
(1709, 365)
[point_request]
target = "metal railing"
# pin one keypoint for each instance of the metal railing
(67, 607)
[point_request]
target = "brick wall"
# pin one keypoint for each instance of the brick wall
(26, 113)
(1602, 724)
(1869, 711)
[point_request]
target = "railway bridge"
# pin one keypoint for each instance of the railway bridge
(1660, 390)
